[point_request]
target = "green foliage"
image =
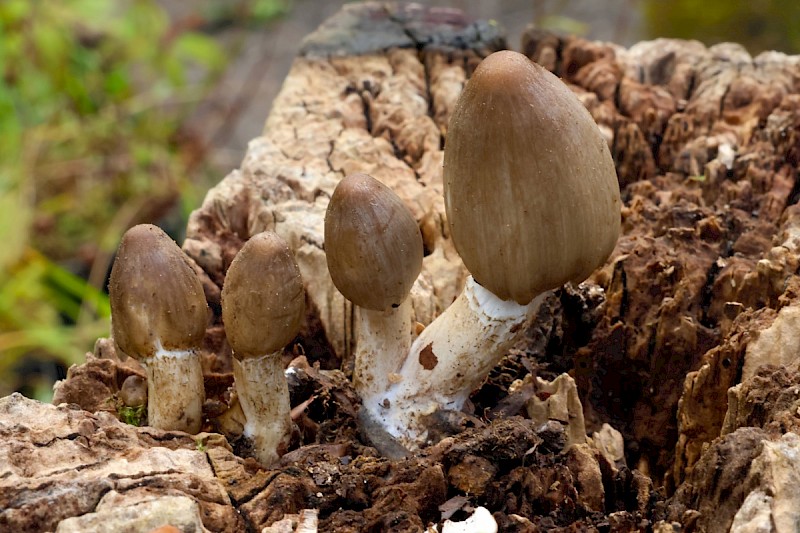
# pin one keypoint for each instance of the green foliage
(246, 12)
(92, 95)
(132, 415)
(759, 25)
(561, 24)
(96, 91)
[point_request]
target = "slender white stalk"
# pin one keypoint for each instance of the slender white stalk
(264, 396)
(450, 359)
(175, 391)
(383, 340)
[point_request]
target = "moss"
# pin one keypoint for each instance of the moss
(134, 416)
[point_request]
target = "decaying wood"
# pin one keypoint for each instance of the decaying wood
(705, 142)
(700, 293)
(60, 462)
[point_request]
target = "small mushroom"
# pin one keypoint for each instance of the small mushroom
(263, 307)
(159, 315)
(133, 392)
(374, 252)
(532, 202)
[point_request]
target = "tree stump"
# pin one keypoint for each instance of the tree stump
(684, 342)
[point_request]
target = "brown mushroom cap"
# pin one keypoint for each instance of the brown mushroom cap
(156, 296)
(531, 193)
(263, 299)
(372, 243)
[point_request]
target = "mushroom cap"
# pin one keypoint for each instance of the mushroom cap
(531, 193)
(263, 299)
(156, 297)
(372, 243)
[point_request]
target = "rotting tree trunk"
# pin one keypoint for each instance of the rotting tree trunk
(700, 291)
(705, 143)
(706, 147)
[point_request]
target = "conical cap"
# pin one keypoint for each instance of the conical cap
(372, 243)
(531, 193)
(155, 294)
(263, 299)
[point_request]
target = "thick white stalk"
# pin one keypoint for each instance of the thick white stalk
(383, 340)
(175, 390)
(450, 359)
(264, 396)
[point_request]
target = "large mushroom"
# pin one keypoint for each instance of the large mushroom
(263, 308)
(159, 315)
(533, 202)
(374, 252)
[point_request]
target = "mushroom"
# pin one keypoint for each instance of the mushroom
(159, 316)
(532, 202)
(263, 307)
(374, 252)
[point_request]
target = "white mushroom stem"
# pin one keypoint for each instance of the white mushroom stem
(175, 390)
(264, 396)
(450, 359)
(383, 341)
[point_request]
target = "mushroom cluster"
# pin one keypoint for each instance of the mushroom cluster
(532, 202)
(160, 314)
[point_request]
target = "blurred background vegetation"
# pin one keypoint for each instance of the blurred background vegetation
(93, 95)
(757, 24)
(95, 98)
